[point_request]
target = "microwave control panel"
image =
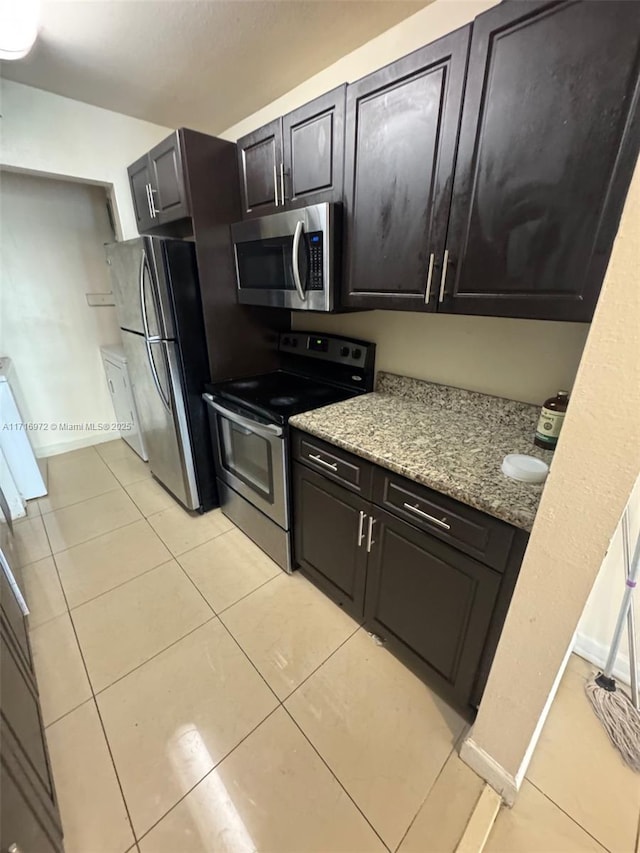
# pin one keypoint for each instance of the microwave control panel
(316, 260)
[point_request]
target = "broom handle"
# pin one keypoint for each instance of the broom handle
(624, 609)
(631, 621)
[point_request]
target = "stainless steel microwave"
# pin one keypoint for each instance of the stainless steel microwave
(290, 259)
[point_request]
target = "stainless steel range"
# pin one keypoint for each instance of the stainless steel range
(249, 426)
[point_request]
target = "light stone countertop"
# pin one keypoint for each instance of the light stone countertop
(448, 439)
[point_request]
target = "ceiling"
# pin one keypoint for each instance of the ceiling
(205, 64)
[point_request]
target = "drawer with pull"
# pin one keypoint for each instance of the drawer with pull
(483, 537)
(350, 471)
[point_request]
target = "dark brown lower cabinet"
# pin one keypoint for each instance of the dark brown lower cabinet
(329, 534)
(437, 608)
(431, 603)
(29, 818)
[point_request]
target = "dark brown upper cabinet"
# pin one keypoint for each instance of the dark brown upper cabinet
(313, 150)
(400, 142)
(259, 164)
(139, 183)
(548, 141)
(173, 182)
(295, 160)
(168, 193)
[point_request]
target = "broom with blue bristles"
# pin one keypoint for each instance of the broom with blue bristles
(615, 710)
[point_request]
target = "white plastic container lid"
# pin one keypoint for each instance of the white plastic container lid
(527, 469)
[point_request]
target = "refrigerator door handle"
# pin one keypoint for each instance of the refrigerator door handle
(143, 304)
(156, 379)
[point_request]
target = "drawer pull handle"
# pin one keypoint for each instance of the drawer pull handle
(417, 511)
(361, 528)
(321, 461)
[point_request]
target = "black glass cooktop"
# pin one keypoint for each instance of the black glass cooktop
(279, 395)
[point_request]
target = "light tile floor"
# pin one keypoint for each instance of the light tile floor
(198, 699)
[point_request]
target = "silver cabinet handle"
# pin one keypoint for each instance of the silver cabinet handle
(321, 461)
(294, 261)
(282, 195)
(275, 184)
(370, 541)
(361, 528)
(443, 278)
(427, 294)
(154, 209)
(148, 191)
(417, 511)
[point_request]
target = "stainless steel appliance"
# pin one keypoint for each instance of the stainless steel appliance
(157, 296)
(289, 260)
(249, 427)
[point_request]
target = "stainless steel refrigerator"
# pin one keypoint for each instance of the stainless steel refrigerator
(157, 296)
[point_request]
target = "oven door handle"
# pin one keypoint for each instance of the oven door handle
(294, 260)
(265, 430)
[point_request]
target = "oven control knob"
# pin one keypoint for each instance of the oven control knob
(286, 342)
(294, 342)
(356, 353)
(344, 351)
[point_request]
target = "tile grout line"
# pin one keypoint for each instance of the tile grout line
(290, 715)
(208, 773)
(117, 586)
(155, 655)
(326, 764)
(246, 595)
(571, 818)
(115, 488)
(95, 702)
(421, 806)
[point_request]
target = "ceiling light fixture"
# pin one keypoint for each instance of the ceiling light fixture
(18, 27)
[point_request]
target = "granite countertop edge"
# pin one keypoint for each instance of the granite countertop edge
(327, 424)
(516, 517)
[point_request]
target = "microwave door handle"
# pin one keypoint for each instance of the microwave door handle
(296, 270)
(265, 430)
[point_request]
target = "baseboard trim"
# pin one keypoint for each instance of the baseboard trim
(488, 768)
(76, 444)
(596, 653)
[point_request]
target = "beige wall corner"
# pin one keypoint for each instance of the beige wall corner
(591, 478)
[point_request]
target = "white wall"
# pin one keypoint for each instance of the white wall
(59, 137)
(598, 621)
(437, 19)
(522, 359)
(51, 248)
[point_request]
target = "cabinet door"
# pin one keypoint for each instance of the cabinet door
(29, 805)
(259, 162)
(541, 178)
(22, 827)
(11, 610)
(167, 181)
(401, 129)
(139, 183)
(330, 538)
(431, 603)
(313, 150)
